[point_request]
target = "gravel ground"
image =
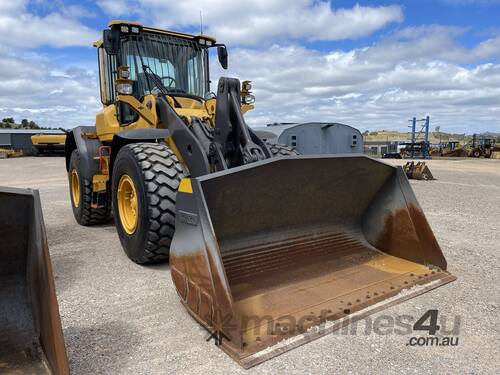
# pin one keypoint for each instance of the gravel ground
(122, 318)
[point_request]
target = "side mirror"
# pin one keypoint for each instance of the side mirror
(222, 54)
(111, 41)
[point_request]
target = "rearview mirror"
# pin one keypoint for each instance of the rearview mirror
(111, 41)
(222, 54)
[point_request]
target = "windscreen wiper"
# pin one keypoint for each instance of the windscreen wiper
(159, 84)
(172, 93)
(156, 80)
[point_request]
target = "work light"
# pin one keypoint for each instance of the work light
(248, 99)
(124, 88)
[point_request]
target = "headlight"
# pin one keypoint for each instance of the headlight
(124, 29)
(124, 88)
(248, 99)
(134, 29)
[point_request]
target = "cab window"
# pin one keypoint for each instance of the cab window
(107, 75)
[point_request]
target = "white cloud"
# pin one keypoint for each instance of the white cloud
(117, 7)
(369, 87)
(411, 72)
(471, 2)
(12, 6)
(36, 90)
(21, 29)
(262, 21)
(434, 42)
(32, 85)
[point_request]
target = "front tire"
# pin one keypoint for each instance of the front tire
(145, 181)
(81, 190)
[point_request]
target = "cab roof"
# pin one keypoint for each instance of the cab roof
(98, 43)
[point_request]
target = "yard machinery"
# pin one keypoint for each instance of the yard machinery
(481, 146)
(48, 143)
(449, 149)
(8, 153)
(418, 171)
(31, 337)
(495, 153)
(253, 232)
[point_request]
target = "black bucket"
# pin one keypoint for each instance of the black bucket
(31, 340)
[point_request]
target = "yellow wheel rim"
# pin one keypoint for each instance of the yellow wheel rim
(75, 188)
(127, 204)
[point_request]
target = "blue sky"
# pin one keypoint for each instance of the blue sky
(370, 64)
(479, 18)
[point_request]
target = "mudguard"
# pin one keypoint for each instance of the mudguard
(88, 149)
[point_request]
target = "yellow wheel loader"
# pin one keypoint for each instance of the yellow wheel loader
(48, 143)
(263, 244)
(31, 337)
(486, 147)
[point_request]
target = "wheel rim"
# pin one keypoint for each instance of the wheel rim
(127, 204)
(75, 188)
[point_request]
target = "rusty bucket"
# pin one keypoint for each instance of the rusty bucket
(418, 171)
(31, 338)
(274, 254)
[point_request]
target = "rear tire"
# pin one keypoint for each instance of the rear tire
(80, 191)
(155, 173)
(281, 150)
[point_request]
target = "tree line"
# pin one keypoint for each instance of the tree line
(9, 123)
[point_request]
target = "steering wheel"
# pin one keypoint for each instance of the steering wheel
(169, 84)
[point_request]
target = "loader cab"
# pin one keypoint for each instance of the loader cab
(158, 61)
(180, 65)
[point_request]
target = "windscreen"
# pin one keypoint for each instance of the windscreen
(179, 63)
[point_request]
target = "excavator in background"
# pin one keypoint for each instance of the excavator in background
(31, 337)
(264, 244)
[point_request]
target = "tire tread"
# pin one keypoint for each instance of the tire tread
(162, 172)
(89, 215)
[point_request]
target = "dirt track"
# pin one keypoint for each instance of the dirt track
(121, 318)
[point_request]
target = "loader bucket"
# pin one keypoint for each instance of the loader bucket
(274, 254)
(31, 338)
(418, 171)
